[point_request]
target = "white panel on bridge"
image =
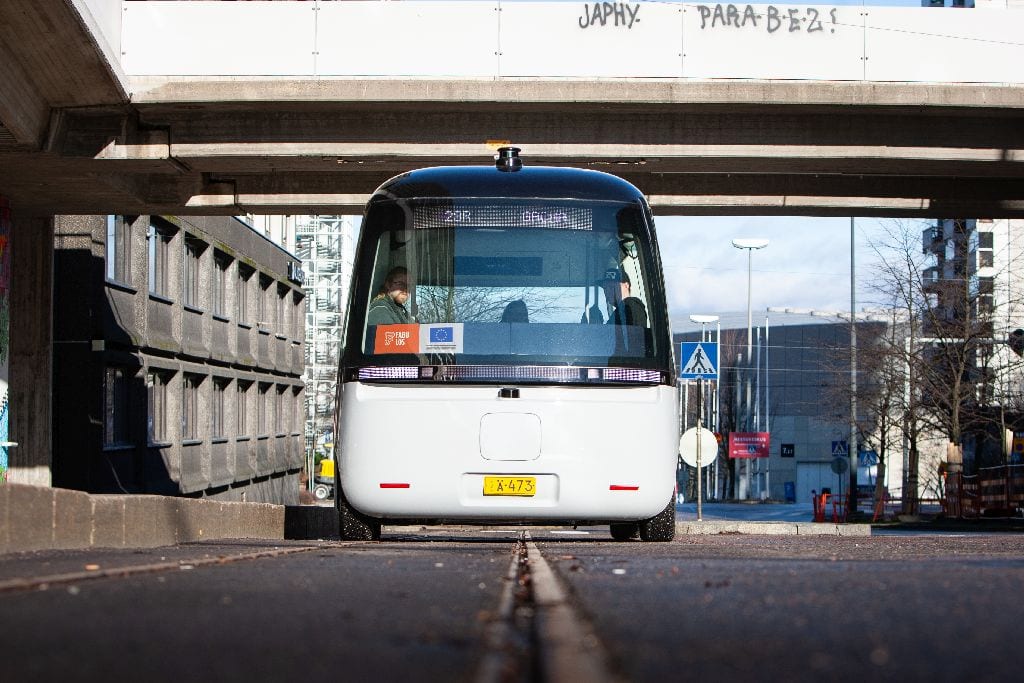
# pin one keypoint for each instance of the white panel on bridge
(773, 42)
(980, 47)
(453, 39)
(216, 38)
(107, 16)
(595, 40)
(440, 39)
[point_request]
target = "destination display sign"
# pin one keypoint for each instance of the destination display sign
(503, 216)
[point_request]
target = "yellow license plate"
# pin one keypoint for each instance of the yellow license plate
(510, 486)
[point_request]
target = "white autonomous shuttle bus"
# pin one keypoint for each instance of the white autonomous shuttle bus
(507, 356)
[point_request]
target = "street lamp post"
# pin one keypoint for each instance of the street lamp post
(750, 244)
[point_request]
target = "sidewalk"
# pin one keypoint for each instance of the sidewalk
(748, 512)
(795, 519)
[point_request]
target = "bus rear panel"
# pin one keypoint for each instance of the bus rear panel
(507, 355)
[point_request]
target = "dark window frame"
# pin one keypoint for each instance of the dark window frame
(118, 241)
(117, 405)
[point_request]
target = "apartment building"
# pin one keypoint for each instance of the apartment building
(177, 359)
(975, 274)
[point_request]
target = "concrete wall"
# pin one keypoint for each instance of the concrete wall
(38, 518)
(31, 361)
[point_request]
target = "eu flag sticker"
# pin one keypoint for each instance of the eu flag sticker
(441, 338)
(442, 335)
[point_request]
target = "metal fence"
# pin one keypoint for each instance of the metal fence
(992, 492)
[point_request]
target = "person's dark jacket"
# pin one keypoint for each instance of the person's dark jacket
(629, 311)
(384, 311)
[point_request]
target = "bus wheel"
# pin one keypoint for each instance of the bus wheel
(353, 525)
(661, 527)
(625, 531)
(320, 492)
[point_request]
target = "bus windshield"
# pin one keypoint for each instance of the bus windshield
(524, 289)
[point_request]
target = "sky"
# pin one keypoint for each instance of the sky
(806, 264)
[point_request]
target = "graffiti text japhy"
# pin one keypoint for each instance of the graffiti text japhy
(807, 19)
(609, 13)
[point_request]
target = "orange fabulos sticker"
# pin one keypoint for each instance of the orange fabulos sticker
(397, 339)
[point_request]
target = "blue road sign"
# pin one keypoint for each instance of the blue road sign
(699, 360)
(839, 449)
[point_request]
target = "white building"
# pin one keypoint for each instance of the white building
(988, 256)
(326, 245)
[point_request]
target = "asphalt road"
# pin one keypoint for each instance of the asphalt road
(477, 605)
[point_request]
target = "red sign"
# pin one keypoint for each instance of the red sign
(397, 339)
(748, 444)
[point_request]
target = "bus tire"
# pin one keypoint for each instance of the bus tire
(662, 527)
(624, 531)
(353, 525)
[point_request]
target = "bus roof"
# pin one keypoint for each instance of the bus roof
(539, 182)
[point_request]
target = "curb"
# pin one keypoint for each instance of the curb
(711, 528)
(44, 518)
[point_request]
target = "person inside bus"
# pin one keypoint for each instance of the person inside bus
(624, 308)
(515, 312)
(388, 307)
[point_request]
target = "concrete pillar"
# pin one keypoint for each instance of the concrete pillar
(31, 349)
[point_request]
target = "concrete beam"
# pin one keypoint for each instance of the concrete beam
(55, 43)
(22, 111)
(753, 147)
(727, 95)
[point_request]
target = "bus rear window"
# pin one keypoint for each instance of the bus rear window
(518, 283)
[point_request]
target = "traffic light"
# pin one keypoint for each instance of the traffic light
(1016, 341)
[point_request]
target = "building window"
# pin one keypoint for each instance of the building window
(190, 406)
(263, 408)
(156, 389)
(190, 276)
(116, 406)
(217, 408)
(118, 249)
(242, 294)
(158, 242)
(241, 406)
(220, 284)
(279, 414)
(281, 317)
(261, 301)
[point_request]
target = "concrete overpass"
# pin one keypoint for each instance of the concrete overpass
(92, 122)
(296, 107)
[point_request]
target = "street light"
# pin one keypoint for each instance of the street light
(750, 244)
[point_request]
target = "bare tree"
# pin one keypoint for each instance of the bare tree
(942, 346)
(482, 304)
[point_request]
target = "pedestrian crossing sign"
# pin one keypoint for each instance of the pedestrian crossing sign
(699, 360)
